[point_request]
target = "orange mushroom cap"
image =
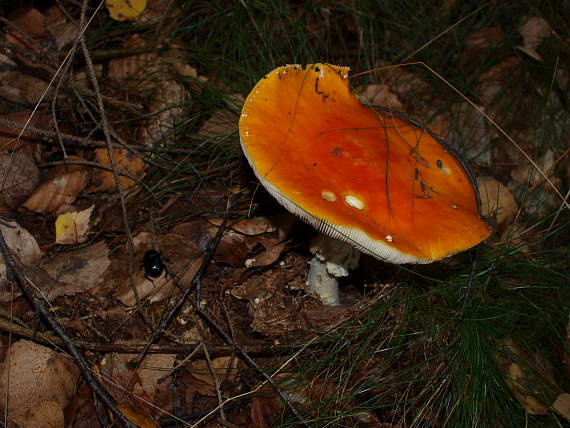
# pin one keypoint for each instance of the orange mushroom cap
(362, 175)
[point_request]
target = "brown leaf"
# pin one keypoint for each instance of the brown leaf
(562, 405)
(497, 200)
(20, 176)
(166, 109)
(23, 88)
(534, 30)
(78, 270)
(24, 246)
(136, 416)
(36, 374)
(60, 188)
(382, 95)
(44, 414)
(183, 258)
(269, 256)
(528, 383)
(266, 408)
(29, 20)
(224, 368)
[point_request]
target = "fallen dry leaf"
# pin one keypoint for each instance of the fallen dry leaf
(534, 30)
(496, 200)
(527, 174)
(382, 95)
(529, 384)
(22, 244)
(44, 414)
(562, 405)
(59, 189)
(72, 227)
(19, 176)
(271, 254)
(166, 109)
(266, 408)
(492, 82)
(126, 163)
(224, 368)
(133, 387)
(78, 270)
(34, 375)
(136, 416)
(123, 10)
(29, 20)
(23, 88)
(183, 258)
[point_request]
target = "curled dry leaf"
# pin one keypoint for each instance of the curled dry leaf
(143, 383)
(463, 123)
(72, 227)
(496, 200)
(534, 30)
(60, 188)
(166, 110)
(77, 270)
(22, 244)
(29, 20)
(526, 173)
(126, 162)
(528, 383)
(491, 82)
(23, 88)
(32, 375)
(382, 95)
(562, 405)
(183, 258)
(19, 176)
(271, 254)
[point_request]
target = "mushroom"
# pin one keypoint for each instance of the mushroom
(364, 176)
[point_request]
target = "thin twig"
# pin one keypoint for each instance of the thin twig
(120, 191)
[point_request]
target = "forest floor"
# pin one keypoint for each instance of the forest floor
(119, 136)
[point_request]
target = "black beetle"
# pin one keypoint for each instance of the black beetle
(153, 264)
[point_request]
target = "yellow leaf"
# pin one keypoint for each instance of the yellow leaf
(72, 227)
(126, 163)
(122, 10)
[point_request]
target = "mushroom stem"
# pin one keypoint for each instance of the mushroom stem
(332, 260)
